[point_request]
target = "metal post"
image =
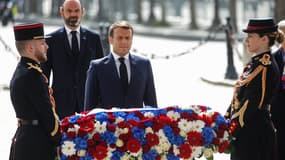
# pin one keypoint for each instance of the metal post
(231, 71)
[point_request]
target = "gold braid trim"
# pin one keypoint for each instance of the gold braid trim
(263, 86)
(56, 125)
(240, 113)
(36, 67)
(251, 76)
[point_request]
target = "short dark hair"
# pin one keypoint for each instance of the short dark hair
(120, 24)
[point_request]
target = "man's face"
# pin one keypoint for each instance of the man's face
(40, 50)
(72, 12)
(121, 41)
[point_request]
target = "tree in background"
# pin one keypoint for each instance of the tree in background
(193, 20)
(279, 13)
(151, 18)
(217, 20)
(233, 14)
(139, 11)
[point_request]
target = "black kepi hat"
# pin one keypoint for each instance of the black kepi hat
(29, 31)
(261, 25)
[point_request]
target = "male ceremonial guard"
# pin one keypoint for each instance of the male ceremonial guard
(38, 131)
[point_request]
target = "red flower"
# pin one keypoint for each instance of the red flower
(223, 146)
(85, 128)
(65, 124)
(145, 148)
(71, 134)
(152, 139)
(96, 137)
(207, 119)
(101, 152)
(133, 145)
(90, 142)
(195, 138)
(203, 108)
(111, 127)
(185, 151)
(111, 117)
(133, 122)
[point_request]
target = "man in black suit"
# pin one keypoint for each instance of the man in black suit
(38, 131)
(120, 79)
(278, 103)
(71, 48)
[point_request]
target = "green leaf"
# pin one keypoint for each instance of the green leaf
(210, 158)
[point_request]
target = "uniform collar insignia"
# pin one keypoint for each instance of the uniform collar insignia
(263, 58)
(34, 66)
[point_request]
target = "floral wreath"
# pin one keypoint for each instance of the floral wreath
(143, 134)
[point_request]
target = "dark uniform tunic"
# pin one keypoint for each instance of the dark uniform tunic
(38, 130)
(278, 105)
(255, 134)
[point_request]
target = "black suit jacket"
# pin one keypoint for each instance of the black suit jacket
(69, 72)
(278, 103)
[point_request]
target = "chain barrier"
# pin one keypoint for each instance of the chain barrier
(8, 48)
(211, 36)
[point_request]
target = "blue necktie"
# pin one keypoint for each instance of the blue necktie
(123, 74)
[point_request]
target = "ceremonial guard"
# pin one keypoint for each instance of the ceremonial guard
(38, 131)
(254, 136)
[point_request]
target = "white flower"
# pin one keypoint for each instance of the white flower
(119, 119)
(148, 130)
(196, 151)
(119, 143)
(208, 152)
(68, 148)
(70, 130)
(149, 114)
(184, 125)
(173, 115)
(226, 136)
(176, 150)
(196, 125)
(81, 153)
(100, 128)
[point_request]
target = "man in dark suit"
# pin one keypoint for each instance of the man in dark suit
(38, 131)
(278, 103)
(120, 79)
(69, 57)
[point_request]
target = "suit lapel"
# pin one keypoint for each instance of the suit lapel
(113, 67)
(132, 69)
(83, 41)
(64, 39)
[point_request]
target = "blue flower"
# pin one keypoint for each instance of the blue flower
(73, 119)
(101, 117)
(108, 137)
(81, 143)
(138, 133)
(172, 157)
(149, 155)
(119, 114)
(208, 135)
(116, 155)
(132, 116)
